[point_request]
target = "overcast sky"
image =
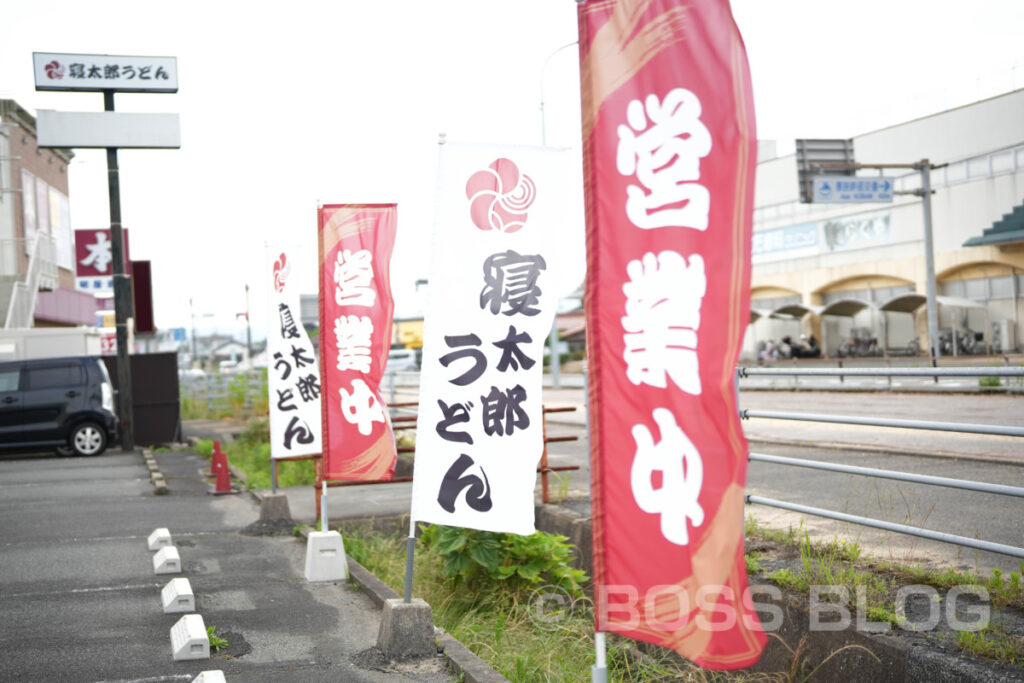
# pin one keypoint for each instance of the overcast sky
(342, 101)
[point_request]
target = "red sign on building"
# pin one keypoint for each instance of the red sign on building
(93, 255)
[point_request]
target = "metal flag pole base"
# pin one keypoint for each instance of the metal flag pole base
(410, 546)
(599, 672)
(324, 526)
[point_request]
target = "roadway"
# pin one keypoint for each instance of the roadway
(994, 459)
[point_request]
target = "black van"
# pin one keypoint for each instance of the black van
(62, 403)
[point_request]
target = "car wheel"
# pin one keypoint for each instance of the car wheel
(88, 439)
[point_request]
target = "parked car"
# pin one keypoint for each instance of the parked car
(61, 403)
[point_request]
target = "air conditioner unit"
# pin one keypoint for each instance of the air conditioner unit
(1004, 337)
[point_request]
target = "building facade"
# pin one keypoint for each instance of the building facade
(857, 272)
(37, 251)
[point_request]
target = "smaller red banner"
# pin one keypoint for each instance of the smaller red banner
(356, 310)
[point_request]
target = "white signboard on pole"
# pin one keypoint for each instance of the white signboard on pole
(499, 249)
(851, 190)
(107, 129)
(293, 374)
(94, 73)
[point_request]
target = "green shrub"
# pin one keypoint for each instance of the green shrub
(473, 557)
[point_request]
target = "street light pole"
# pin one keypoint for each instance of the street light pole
(192, 310)
(556, 361)
(248, 327)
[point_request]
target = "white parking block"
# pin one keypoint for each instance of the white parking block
(325, 557)
(189, 639)
(167, 561)
(177, 597)
(160, 538)
(212, 676)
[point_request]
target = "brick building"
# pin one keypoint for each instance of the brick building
(37, 251)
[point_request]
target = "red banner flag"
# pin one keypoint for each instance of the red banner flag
(669, 160)
(356, 309)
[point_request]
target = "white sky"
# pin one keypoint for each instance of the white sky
(283, 104)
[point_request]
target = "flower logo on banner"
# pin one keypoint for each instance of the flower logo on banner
(281, 271)
(499, 197)
(54, 70)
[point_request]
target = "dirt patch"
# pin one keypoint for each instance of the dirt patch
(270, 527)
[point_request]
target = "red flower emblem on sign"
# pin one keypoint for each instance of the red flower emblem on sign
(54, 70)
(281, 271)
(500, 196)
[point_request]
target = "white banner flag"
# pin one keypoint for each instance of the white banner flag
(499, 249)
(293, 374)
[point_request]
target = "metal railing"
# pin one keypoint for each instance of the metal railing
(983, 487)
(41, 272)
(1009, 379)
(219, 392)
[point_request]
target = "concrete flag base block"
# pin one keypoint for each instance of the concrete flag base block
(177, 597)
(406, 629)
(212, 676)
(160, 538)
(325, 557)
(189, 639)
(167, 561)
(275, 506)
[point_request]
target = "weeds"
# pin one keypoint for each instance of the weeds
(216, 642)
(992, 642)
(497, 620)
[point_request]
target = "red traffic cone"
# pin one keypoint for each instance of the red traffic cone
(219, 467)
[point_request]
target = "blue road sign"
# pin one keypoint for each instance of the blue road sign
(851, 190)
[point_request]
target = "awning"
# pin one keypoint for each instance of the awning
(1007, 230)
(910, 302)
(794, 311)
(846, 307)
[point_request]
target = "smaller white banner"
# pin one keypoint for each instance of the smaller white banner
(120, 73)
(499, 257)
(293, 374)
(107, 129)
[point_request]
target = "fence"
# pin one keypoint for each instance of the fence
(995, 489)
(224, 393)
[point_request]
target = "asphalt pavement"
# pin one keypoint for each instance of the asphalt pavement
(79, 599)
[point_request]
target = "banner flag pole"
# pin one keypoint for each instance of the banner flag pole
(599, 672)
(410, 545)
(324, 525)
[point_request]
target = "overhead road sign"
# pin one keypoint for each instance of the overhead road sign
(95, 73)
(811, 154)
(832, 189)
(107, 129)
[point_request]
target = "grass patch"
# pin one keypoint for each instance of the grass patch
(992, 642)
(497, 618)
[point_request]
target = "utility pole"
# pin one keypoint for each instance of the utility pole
(122, 294)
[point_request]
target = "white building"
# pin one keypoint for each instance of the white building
(842, 270)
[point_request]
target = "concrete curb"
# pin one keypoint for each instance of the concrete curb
(156, 477)
(459, 657)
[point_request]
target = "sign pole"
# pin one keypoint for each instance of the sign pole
(122, 294)
(925, 167)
